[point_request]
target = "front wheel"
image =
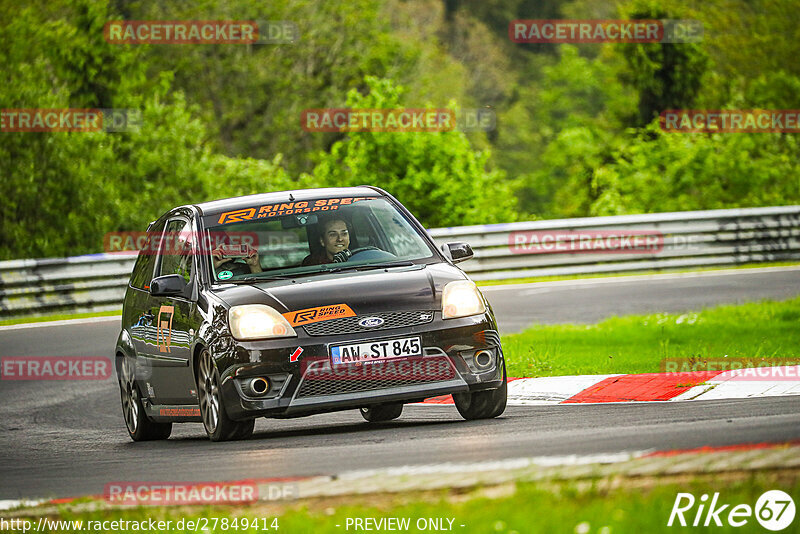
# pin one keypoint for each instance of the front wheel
(140, 428)
(483, 404)
(382, 412)
(219, 426)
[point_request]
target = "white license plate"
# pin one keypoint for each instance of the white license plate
(375, 351)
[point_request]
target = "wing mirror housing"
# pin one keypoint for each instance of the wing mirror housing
(458, 252)
(169, 285)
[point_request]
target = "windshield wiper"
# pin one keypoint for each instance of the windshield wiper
(369, 266)
(248, 279)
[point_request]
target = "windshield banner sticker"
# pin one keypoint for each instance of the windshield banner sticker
(287, 208)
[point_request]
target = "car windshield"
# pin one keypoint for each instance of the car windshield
(290, 239)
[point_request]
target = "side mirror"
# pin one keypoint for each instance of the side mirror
(168, 285)
(459, 251)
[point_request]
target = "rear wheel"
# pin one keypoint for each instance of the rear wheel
(483, 404)
(219, 426)
(382, 412)
(140, 428)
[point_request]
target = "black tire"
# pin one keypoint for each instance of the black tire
(483, 404)
(382, 412)
(218, 425)
(140, 427)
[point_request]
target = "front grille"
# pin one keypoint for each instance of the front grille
(349, 325)
(320, 379)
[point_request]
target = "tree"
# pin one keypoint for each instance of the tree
(666, 75)
(438, 176)
(63, 191)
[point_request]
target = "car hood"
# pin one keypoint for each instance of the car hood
(417, 287)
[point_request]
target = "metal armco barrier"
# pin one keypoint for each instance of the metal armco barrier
(502, 251)
(688, 239)
(91, 283)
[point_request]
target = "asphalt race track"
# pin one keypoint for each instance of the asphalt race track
(61, 439)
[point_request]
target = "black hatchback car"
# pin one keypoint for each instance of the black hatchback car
(295, 303)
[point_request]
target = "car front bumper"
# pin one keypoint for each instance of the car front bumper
(312, 385)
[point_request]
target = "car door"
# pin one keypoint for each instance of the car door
(138, 319)
(175, 319)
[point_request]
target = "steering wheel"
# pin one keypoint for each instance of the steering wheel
(371, 253)
(362, 249)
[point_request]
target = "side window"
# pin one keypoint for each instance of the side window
(177, 250)
(143, 269)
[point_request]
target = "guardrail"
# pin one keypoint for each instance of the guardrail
(502, 251)
(685, 240)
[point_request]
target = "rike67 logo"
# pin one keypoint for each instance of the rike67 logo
(774, 510)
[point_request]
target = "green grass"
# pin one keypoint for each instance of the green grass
(603, 506)
(639, 343)
(58, 317)
(532, 279)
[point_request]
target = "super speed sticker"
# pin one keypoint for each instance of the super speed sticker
(321, 313)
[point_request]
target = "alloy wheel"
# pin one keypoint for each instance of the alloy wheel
(130, 396)
(208, 388)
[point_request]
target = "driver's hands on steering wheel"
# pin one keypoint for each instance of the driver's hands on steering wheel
(220, 256)
(342, 256)
(252, 260)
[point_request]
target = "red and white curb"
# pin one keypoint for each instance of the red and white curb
(650, 387)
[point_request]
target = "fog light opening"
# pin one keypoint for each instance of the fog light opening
(258, 386)
(483, 358)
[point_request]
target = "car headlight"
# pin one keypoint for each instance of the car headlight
(257, 321)
(461, 298)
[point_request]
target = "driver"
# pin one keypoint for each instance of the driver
(335, 241)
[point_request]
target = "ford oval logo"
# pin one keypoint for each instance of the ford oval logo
(370, 322)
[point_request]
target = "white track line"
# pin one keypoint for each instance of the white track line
(637, 278)
(9, 504)
(64, 322)
(494, 465)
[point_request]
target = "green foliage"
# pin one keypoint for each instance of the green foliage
(436, 175)
(63, 191)
(648, 170)
(560, 123)
(591, 162)
(666, 76)
(251, 97)
(575, 133)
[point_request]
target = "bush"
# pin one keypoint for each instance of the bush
(437, 175)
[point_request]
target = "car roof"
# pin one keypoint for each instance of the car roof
(226, 204)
